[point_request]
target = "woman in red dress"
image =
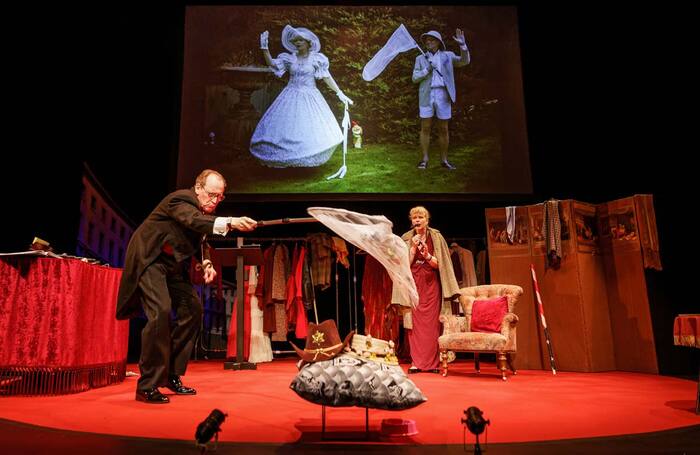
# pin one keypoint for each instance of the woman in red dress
(432, 271)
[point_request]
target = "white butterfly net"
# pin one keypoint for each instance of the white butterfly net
(399, 41)
(372, 233)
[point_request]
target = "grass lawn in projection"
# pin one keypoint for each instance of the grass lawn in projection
(385, 168)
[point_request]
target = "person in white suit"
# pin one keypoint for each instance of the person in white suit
(434, 72)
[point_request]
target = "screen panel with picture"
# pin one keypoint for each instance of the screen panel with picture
(273, 120)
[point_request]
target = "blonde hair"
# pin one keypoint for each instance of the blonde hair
(420, 210)
(201, 179)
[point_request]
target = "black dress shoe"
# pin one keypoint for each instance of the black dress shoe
(176, 386)
(152, 396)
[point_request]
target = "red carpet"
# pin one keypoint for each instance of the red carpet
(532, 406)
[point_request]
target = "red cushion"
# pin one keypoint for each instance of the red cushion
(487, 315)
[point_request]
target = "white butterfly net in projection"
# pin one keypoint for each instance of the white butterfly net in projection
(399, 41)
(372, 233)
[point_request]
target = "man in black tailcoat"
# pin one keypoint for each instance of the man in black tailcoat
(156, 278)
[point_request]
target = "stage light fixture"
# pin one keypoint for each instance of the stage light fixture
(475, 422)
(209, 428)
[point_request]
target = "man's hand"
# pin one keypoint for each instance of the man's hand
(459, 37)
(209, 273)
(433, 62)
(429, 61)
(242, 223)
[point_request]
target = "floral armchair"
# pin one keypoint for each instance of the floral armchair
(457, 335)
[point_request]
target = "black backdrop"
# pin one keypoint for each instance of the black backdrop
(605, 91)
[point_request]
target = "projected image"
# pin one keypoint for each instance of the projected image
(354, 100)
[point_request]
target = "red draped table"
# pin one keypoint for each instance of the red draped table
(686, 332)
(58, 331)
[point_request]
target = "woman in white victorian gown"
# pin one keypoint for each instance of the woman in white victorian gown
(298, 129)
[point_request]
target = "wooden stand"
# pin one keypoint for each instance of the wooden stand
(323, 423)
(240, 257)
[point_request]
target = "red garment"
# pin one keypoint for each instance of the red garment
(232, 331)
(381, 317)
(295, 302)
(264, 291)
(168, 249)
(423, 337)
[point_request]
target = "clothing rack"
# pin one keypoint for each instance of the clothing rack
(263, 239)
(274, 239)
(241, 240)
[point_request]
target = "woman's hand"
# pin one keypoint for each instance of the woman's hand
(344, 98)
(419, 244)
(264, 37)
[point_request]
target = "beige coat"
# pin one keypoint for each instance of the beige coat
(448, 282)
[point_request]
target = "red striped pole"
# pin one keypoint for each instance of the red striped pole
(540, 310)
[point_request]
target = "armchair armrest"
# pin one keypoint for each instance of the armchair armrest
(510, 320)
(453, 324)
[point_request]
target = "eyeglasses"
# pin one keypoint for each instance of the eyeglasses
(214, 196)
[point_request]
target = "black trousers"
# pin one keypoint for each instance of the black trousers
(165, 348)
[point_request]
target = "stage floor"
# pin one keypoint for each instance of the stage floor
(531, 406)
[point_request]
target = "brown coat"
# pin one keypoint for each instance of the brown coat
(466, 260)
(176, 220)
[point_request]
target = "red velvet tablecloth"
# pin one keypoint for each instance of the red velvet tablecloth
(686, 330)
(58, 331)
